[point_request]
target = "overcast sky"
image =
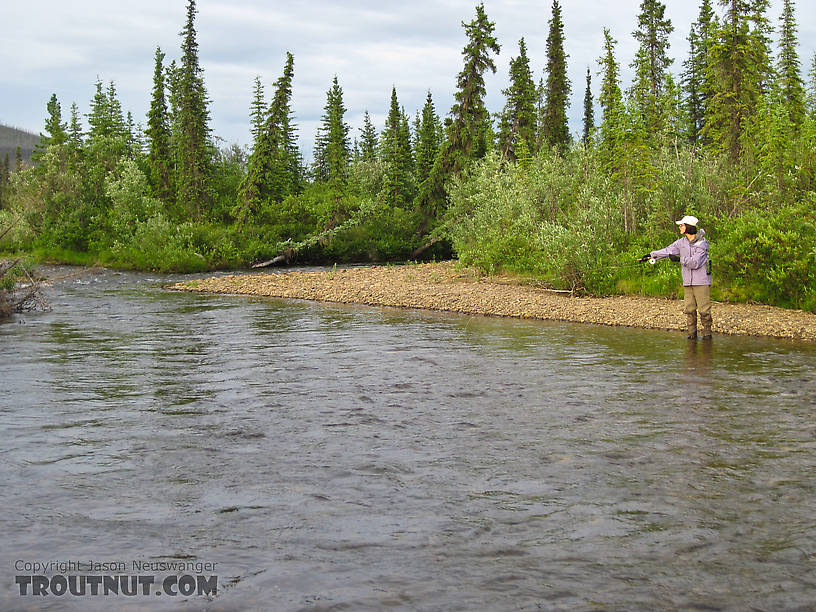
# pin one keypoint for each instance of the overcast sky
(62, 47)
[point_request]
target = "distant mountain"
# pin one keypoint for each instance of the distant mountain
(11, 138)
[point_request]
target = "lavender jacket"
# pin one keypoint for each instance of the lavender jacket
(693, 258)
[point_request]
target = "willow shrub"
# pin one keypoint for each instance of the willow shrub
(769, 256)
(553, 218)
(492, 220)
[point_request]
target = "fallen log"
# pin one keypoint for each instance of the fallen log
(283, 257)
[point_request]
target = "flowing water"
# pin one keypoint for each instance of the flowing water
(328, 457)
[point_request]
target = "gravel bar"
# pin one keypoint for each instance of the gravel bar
(448, 287)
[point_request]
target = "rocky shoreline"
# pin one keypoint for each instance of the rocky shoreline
(447, 287)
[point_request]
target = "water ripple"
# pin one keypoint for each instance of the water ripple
(334, 457)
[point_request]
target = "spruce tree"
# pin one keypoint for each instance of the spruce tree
(589, 111)
(368, 139)
(134, 136)
(790, 79)
(469, 135)
(468, 132)
(428, 140)
(171, 79)
(415, 135)
(56, 128)
(191, 138)
(673, 112)
(75, 135)
(257, 110)
(761, 34)
(332, 151)
(100, 120)
(518, 120)
(611, 100)
(697, 79)
(641, 99)
(653, 34)
(274, 168)
(737, 69)
(407, 140)
(159, 155)
(56, 133)
(291, 161)
(555, 127)
(651, 66)
(540, 97)
(692, 84)
(398, 181)
(117, 116)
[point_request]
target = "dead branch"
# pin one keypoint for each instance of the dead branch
(16, 296)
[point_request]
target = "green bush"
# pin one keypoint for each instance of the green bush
(17, 233)
(552, 220)
(157, 244)
(130, 201)
(769, 256)
(493, 220)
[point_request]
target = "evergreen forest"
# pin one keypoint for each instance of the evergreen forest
(728, 136)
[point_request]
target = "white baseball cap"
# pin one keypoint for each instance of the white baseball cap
(688, 220)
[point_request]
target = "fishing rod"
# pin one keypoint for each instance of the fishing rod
(635, 264)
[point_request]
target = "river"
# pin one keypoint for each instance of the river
(328, 457)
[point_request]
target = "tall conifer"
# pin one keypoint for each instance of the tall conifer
(194, 151)
(468, 132)
(790, 78)
(257, 110)
(75, 134)
(117, 116)
(159, 155)
(555, 126)
(518, 120)
(100, 120)
(692, 84)
(761, 34)
(56, 129)
(610, 99)
(368, 139)
(274, 167)
(641, 99)
(398, 181)
(738, 70)
(651, 64)
(54, 125)
(589, 111)
(428, 140)
(332, 150)
(697, 81)
(653, 34)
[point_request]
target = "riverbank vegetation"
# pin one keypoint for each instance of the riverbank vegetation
(19, 292)
(729, 137)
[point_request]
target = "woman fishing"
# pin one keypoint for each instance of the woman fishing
(695, 267)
